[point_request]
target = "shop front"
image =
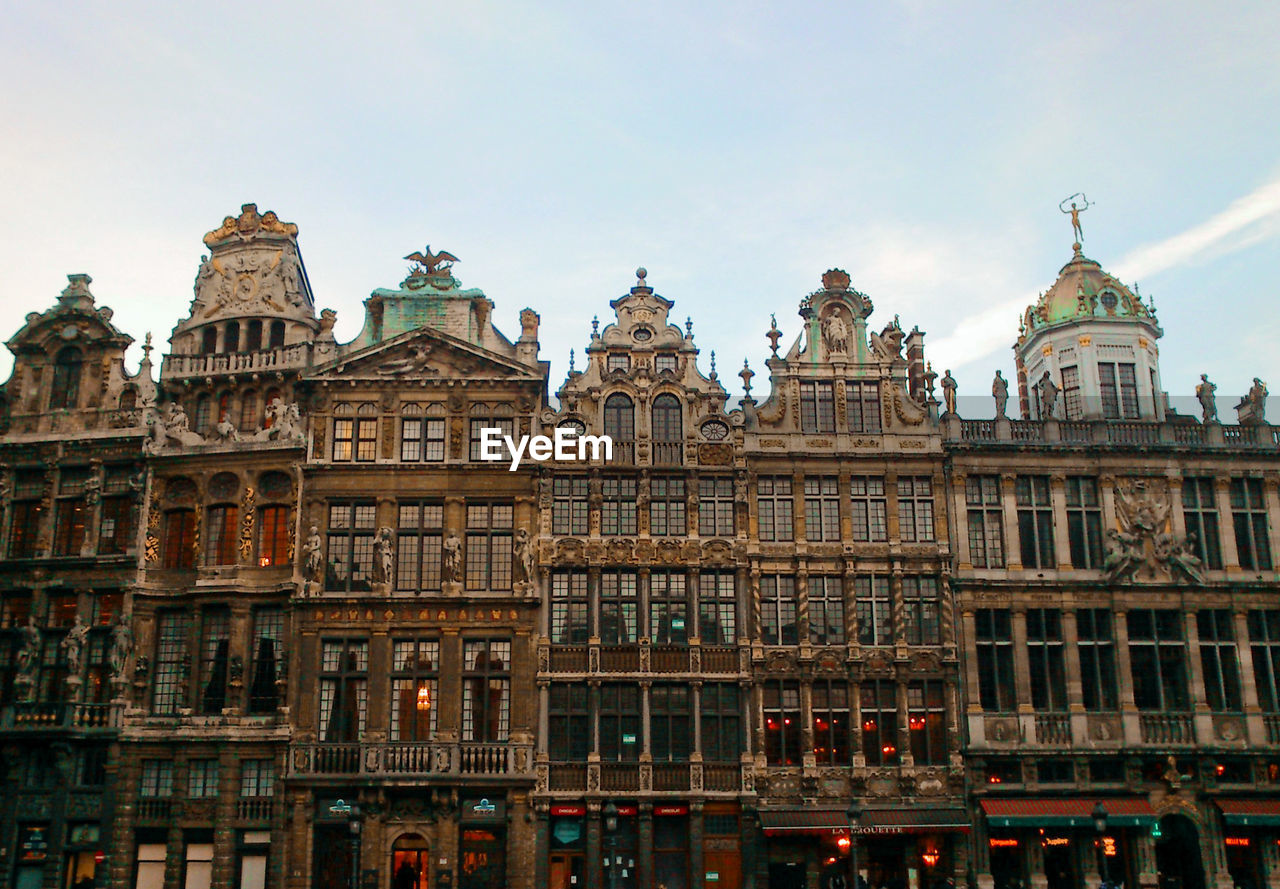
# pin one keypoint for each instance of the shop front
(1251, 835)
(897, 848)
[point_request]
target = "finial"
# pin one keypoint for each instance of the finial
(897, 323)
(570, 361)
(595, 326)
(146, 347)
(773, 335)
(688, 326)
(746, 373)
(713, 364)
(641, 274)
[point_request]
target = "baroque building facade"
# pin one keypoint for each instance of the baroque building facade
(278, 619)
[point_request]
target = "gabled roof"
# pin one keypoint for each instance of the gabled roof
(424, 353)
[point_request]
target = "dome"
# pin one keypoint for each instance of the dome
(1084, 291)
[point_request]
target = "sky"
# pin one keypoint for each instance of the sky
(735, 150)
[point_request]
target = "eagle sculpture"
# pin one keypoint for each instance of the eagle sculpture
(432, 262)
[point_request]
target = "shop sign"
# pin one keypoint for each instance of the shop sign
(483, 810)
(713, 876)
(1238, 841)
(568, 810)
(628, 739)
(999, 843)
(1057, 841)
(873, 829)
(670, 810)
(1109, 847)
(33, 842)
(567, 832)
(484, 807)
(627, 810)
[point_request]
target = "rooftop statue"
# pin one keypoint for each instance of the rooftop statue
(1074, 212)
(432, 263)
(1208, 403)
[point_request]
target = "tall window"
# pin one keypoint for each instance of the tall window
(1118, 385)
(994, 637)
(619, 722)
(1200, 513)
(619, 607)
(1249, 513)
(863, 401)
(927, 722)
(1071, 392)
(668, 608)
(921, 605)
(986, 521)
(344, 689)
(202, 420)
(253, 336)
(1084, 521)
(25, 511)
(569, 718)
(569, 505)
(1045, 651)
(231, 338)
(668, 437)
(778, 610)
(419, 538)
(1035, 520)
(483, 416)
(273, 536)
(569, 607)
(64, 394)
(1096, 646)
(879, 722)
(489, 527)
(775, 505)
(831, 722)
(1157, 654)
(72, 512)
(620, 425)
(721, 715)
(221, 528)
(156, 780)
(718, 614)
(1264, 642)
(486, 690)
(782, 735)
(817, 407)
(422, 433)
(415, 688)
(874, 610)
(116, 518)
(172, 628)
(667, 508)
(1218, 659)
(670, 718)
(267, 659)
(715, 506)
(215, 644)
(350, 546)
(202, 778)
(618, 507)
(275, 335)
(355, 433)
(826, 609)
(915, 508)
(822, 508)
(257, 778)
(869, 509)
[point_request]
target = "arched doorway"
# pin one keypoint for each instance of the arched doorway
(1178, 862)
(410, 862)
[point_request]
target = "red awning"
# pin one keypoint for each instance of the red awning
(873, 821)
(1250, 812)
(1066, 812)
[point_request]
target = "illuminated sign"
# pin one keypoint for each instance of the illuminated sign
(1003, 844)
(1109, 847)
(1237, 841)
(1056, 841)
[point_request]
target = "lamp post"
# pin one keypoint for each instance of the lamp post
(1100, 824)
(343, 809)
(854, 815)
(611, 842)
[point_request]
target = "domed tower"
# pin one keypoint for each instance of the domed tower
(1087, 349)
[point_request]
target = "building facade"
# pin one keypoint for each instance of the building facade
(281, 619)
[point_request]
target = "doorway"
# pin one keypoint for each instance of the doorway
(786, 875)
(1178, 862)
(410, 862)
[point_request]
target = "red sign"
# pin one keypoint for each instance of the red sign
(568, 810)
(627, 810)
(99, 857)
(670, 810)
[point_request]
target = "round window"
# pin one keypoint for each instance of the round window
(714, 430)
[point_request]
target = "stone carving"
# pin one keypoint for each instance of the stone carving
(249, 224)
(1252, 409)
(1048, 391)
(286, 422)
(313, 557)
(384, 550)
(1000, 392)
(949, 392)
(1143, 539)
(121, 646)
(451, 564)
(73, 644)
(887, 345)
(835, 333)
(1074, 213)
(225, 431)
(431, 263)
(415, 363)
(1208, 401)
(905, 408)
(29, 651)
(171, 425)
(526, 556)
(93, 490)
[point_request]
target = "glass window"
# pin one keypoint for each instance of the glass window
(618, 508)
(915, 508)
(721, 715)
(156, 781)
(486, 690)
(619, 607)
(717, 620)
(570, 507)
(215, 643)
(180, 538)
(350, 545)
(620, 426)
(344, 687)
(1045, 652)
(1264, 642)
(986, 521)
(826, 609)
(1071, 392)
(926, 721)
(569, 607)
(996, 687)
(257, 778)
(1218, 660)
(1096, 647)
(487, 417)
(221, 527)
(1158, 660)
(569, 718)
(668, 608)
(874, 610)
(670, 712)
(1200, 513)
(1035, 521)
(489, 530)
(172, 629)
(1118, 385)
(202, 778)
(775, 506)
(64, 393)
(267, 659)
(419, 541)
(415, 688)
(620, 739)
(817, 407)
(668, 435)
(715, 506)
(1084, 521)
(822, 508)
(421, 437)
(1249, 514)
(869, 509)
(879, 722)
(831, 722)
(863, 400)
(778, 620)
(274, 523)
(921, 606)
(782, 735)
(667, 507)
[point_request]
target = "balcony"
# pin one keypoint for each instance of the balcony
(59, 716)
(292, 357)
(1053, 728)
(1123, 434)
(446, 760)
(155, 809)
(668, 453)
(255, 808)
(637, 777)
(1167, 728)
(1273, 730)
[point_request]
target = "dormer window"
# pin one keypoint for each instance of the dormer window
(618, 362)
(65, 392)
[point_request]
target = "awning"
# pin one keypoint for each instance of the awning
(1250, 812)
(873, 821)
(1051, 812)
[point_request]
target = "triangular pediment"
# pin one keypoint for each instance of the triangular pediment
(424, 353)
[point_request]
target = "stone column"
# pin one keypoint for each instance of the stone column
(1124, 668)
(1061, 540)
(1202, 717)
(1226, 527)
(595, 848)
(1075, 682)
(797, 499)
(1271, 497)
(1034, 860)
(1255, 727)
(1022, 674)
(1145, 848)
(969, 660)
(644, 844)
(960, 538)
(1013, 544)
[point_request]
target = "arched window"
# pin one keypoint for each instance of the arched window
(209, 340)
(249, 411)
(128, 398)
(273, 536)
(485, 416)
(179, 538)
(355, 438)
(203, 413)
(668, 435)
(277, 335)
(220, 534)
(66, 379)
(253, 337)
(231, 341)
(620, 425)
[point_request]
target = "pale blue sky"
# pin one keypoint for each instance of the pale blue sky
(735, 150)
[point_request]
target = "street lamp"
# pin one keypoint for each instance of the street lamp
(854, 815)
(343, 809)
(1100, 824)
(611, 842)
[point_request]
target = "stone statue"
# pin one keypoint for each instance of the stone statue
(92, 490)
(1000, 392)
(1124, 555)
(73, 644)
(385, 564)
(835, 333)
(225, 431)
(121, 646)
(1252, 409)
(1180, 558)
(526, 555)
(29, 650)
(1074, 213)
(313, 555)
(1208, 402)
(432, 263)
(1048, 396)
(451, 564)
(949, 392)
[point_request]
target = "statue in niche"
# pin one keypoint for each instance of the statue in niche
(73, 644)
(29, 650)
(313, 556)
(121, 646)
(526, 555)
(451, 564)
(835, 333)
(385, 564)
